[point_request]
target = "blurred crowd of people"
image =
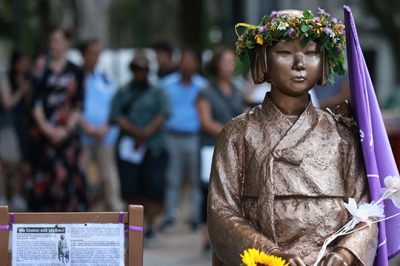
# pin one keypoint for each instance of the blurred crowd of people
(57, 118)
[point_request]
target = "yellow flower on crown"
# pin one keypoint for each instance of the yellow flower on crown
(318, 28)
(336, 28)
(259, 39)
(254, 257)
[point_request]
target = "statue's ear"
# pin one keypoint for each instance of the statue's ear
(324, 70)
(259, 67)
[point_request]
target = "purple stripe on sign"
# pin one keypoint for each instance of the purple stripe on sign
(11, 218)
(4, 227)
(136, 228)
(120, 218)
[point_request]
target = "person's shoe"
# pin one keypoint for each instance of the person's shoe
(168, 227)
(18, 203)
(207, 251)
(3, 200)
(149, 238)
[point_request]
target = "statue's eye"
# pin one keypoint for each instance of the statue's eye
(312, 53)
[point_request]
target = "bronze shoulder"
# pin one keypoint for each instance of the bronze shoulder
(344, 115)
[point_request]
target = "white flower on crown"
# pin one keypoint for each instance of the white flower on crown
(275, 23)
(283, 26)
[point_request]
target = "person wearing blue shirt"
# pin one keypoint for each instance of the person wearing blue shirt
(98, 137)
(183, 126)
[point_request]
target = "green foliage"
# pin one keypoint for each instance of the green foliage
(249, 44)
(24, 24)
(308, 14)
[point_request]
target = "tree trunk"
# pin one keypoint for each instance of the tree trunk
(43, 9)
(191, 23)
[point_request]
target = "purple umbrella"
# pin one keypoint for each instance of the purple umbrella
(378, 156)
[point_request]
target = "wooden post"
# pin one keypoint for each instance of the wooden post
(135, 245)
(215, 260)
(4, 222)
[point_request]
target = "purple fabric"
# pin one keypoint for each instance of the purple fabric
(136, 228)
(11, 219)
(126, 229)
(121, 217)
(378, 156)
(4, 227)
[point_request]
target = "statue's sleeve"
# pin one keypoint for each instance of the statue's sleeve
(230, 232)
(362, 244)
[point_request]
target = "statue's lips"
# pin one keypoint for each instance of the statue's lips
(299, 79)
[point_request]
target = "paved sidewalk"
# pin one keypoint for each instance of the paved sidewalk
(181, 248)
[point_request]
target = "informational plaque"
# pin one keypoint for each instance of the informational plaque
(67, 244)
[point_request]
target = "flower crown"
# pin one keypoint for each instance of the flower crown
(323, 29)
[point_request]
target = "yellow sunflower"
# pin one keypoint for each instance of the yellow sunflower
(254, 257)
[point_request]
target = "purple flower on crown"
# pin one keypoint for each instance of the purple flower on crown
(340, 22)
(323, 12)
(263, 29)
(317, 19)
(291, 32)
(342, 31)
(327, 31)
(338, 48)
(334, 20)
(274, 14)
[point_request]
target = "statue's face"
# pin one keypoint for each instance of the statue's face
(294, 70)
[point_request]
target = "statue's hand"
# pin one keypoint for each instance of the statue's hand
(293, 259)
(340, 257)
